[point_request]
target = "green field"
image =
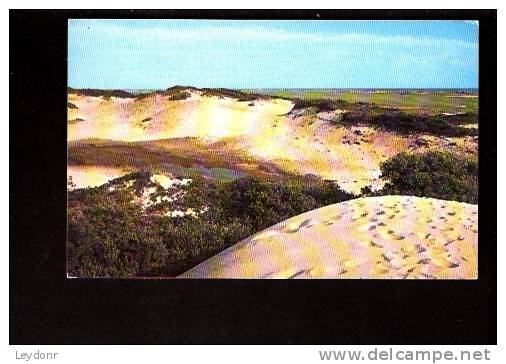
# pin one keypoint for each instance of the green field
(426, 102)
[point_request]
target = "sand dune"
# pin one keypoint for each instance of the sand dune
(391, 237)
(157, 117)
(264, 130)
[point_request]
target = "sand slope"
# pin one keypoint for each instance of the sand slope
(374, 237)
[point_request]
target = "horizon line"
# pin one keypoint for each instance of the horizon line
(278, 88)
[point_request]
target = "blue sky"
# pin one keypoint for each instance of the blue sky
(156, 54)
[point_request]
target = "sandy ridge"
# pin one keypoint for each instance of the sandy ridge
(388, 237)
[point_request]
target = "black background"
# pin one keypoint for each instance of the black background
(47, 308)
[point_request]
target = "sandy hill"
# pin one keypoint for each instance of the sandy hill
(375, 237)
(159, 116)
(247, 133)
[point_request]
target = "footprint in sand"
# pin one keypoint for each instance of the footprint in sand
(265, 235)
(295, 226)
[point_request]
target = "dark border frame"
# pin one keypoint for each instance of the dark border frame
(47, 308)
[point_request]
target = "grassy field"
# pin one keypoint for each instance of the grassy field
(425, 102)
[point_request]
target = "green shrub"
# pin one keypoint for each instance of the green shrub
(181, 95)
(462, 119)
(264, 203)
(109, 236)
(442, 175)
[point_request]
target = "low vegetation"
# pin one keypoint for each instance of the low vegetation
(406, 123)
(106, 94)
(181, 95)
(416, 101)
(435, 174)
(235, 94)
(318, 105)
(174, 93)
(109, 236)
(74, 121)
(390, 119)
